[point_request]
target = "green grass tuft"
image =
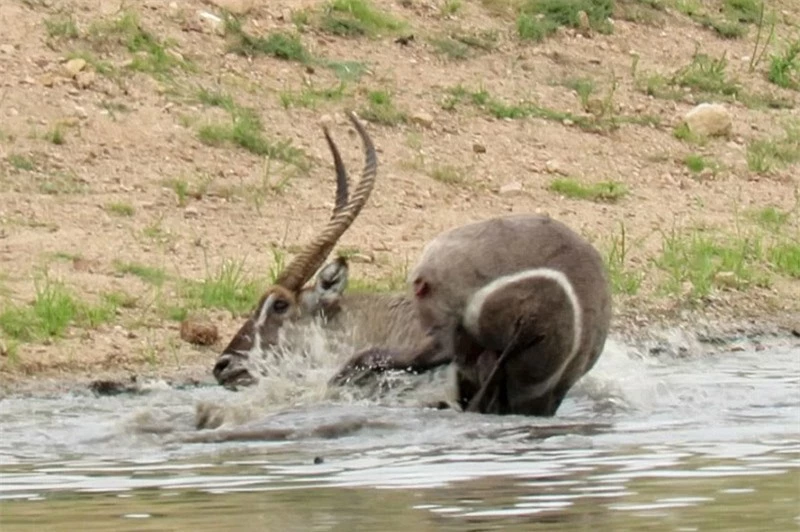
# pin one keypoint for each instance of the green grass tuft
(245, 130)
(603, 191)
(56, 135)
(603, 120)
(697, 263)
(770, 218)
(448, 175)
(149, 274)
(624, 279)
(21, 162)
(697, 164)
(381, 109)
(120, 209)
(52, 311)
(62, 27)
(352, 18)
(310, 98)
(785, 259)
(278, 44)
(706, 74)
(149, 53)
(538, 19)
(784, 69)
(228, 289)
(768, 154)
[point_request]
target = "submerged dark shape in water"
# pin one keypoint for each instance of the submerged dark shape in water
(135, 386)
(104, 387)
(262, 431)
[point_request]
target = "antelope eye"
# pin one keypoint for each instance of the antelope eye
(280, 306)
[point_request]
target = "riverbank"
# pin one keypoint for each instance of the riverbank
(158, 163)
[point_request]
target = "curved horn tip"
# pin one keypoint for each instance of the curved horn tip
(353, 116)
(325, 120)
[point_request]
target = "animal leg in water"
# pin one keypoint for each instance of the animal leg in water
(380, 359)
(482, 400)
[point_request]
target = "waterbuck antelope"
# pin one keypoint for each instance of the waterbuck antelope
(521, 304)
(382, 325)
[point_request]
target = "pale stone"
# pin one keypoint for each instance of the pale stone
(511, 189)
(709, 119)
(423, 119)
(73, 66)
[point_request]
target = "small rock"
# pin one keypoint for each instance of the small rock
(47, 80)
(363, 258)
(404, 40)
(79, 264)
(191, 212)
(7, 48)
(318, 459)
(73, 66)
(554, 167)
(708, 120)
(706, 173)
(85, 79)
(423, 119)
(199, 332)
(478, 148)
(509, 189)
(234, 7)
(175, 54)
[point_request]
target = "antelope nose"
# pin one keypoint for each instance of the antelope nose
(222, 364)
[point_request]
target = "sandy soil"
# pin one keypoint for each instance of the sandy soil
(125, 136)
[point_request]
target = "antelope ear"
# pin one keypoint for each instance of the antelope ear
(331, 282)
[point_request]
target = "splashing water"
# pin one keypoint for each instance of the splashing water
(664, 433)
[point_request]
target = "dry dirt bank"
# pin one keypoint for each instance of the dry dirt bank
(155, 163)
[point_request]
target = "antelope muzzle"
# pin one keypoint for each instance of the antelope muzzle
(231, 371)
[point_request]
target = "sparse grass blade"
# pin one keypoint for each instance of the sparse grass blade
(784, 68)
(52, 311)
(352, 18)
(603, 191)
(228, 288)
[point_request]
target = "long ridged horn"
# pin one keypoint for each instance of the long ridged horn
(300, 270)
(342, 192)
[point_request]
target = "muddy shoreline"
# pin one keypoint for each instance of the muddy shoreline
(688, 336)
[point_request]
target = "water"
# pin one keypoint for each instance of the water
(699, 438)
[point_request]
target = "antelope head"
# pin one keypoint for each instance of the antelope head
(288, 299)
